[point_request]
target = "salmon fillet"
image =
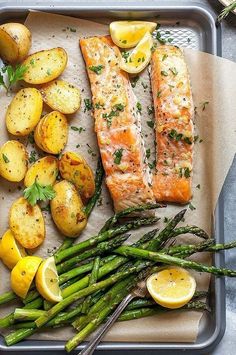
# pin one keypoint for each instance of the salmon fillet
(174, 111)
(117, 124)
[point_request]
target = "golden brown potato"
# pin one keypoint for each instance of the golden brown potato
(15, 42)
(67, 209)
(51, 133)
(45, 66)
(61, 96)
(24, 112)
(13, 161)
(27, 223)
(73, 167)
(44, 170)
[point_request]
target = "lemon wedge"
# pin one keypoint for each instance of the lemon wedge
(172, 287)
(47, 282)
(23, 274)
(139, 57)
(127, 34)
(10, 251)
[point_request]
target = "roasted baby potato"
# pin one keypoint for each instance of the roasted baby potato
(51, 133)
(67, 209)
(44, 170)
(13, 161)
(45, 66)
(73, 167)
(61, 96)
(15, 42)
(24, 112)
(27, 223)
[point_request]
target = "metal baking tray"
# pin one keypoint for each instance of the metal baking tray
(193, 27)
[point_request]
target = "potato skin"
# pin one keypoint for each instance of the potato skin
(61, 96)
(27, 223)
(45, 170)
(13, 161)
(73, 167)
(15, 42)
(45, 65)
(51, 133)
(24, 112)
(67, 209)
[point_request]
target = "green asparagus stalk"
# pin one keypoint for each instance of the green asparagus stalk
(149, 311)
(100, 249)
(171, 260)
(7, 297)
(115, 218)
(218, 247)
(165, 234)
(65, 245)
(92, 280)
(8, 320)
(183, 251)
(191, 230)
(93, 241)
(27, 314)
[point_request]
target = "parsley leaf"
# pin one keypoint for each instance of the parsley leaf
(88, 105)
(96, 68)
(118, 155)
(37, 192)
(14, 74)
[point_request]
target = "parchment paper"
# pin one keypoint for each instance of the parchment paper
(213, 80)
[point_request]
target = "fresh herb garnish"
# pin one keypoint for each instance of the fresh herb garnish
(98, 105)
(13, 75)
(148, 153)
(190, 205)
(150, 124)
(38, 192)
(114, 112)
(90, 150)
(32, 158)
(184, 172)
(173, 134)
(174, 71)
(125, 55)
(159, 93)
(164, 57)
(164, 73)
(134, 81)
(88, 105)
(78, 129)
(96, 68)
(31, 137)
(159, 38)
(5, 158)
(49, 72)
(118, 155)
(204, 105)
(139, 107)
(150, 110)
(152, 165)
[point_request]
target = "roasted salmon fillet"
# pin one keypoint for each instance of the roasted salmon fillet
(117, 124)
(174, 112)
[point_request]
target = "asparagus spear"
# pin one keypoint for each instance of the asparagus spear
(114, 219)
(103, 237)
(92, 280)
(167, 259)
(190, 229)
(7, 297)
(100, 249)
(149, 311)
(183, 251)
(167, 231)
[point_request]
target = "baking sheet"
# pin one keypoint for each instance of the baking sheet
(213, 158)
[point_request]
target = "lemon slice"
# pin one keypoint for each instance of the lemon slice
(139, 57)
(172, 287)
(47, 282)
(10, 251)
(23, 274)
(127, 34)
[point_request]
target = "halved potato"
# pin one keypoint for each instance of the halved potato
(24, 112)
(13, 161)
(67, 209)
(51, 133)
(45, 66)
(45, 171)
(15, 42)
(73, 167)
(27, 223)
(61, 96)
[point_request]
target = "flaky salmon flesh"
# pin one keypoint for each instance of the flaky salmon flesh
(117, 124)
(174, 112)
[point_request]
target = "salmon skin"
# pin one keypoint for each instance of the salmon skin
(117, 124)
(174, 112)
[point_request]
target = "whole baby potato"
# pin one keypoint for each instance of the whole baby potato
(67, 209)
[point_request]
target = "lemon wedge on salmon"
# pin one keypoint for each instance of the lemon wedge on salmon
(172, 287)
(47, 282)
(10, 251)
(23, 274)
(140, 56)
(127, 34)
